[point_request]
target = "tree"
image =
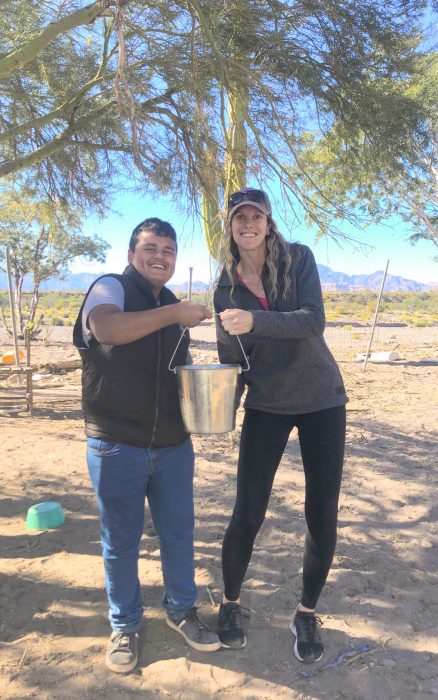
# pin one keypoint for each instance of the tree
(58, 125)
(203, 96)
(354, 172)
(43, 239)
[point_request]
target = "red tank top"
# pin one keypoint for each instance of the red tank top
(262, 300)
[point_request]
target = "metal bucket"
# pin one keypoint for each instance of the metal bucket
(207, 395)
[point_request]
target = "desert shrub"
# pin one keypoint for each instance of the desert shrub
(56, 321)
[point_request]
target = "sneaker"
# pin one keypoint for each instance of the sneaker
(229, 625)
(308, 646)
(122, 652)
(195, 631)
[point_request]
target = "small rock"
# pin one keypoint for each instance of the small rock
(388, 662)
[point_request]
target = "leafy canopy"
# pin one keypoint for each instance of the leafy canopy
(182, 90)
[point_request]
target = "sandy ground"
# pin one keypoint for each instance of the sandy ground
(380, 605)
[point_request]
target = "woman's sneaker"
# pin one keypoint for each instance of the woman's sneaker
(122, 652)
(229, 626)
(308, 646)
(195, 631)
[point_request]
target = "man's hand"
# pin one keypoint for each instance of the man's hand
(237, 321)
(190, 313)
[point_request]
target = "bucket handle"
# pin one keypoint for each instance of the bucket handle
(173, 369)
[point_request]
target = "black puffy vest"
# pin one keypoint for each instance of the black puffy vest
(128, 393)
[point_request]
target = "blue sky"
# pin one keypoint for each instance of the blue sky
(411, 262)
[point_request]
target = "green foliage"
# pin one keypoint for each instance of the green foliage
(412, 308)
(199, 95)
(43, 239)
(393, 173)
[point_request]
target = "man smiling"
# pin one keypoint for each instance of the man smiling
(137, 446)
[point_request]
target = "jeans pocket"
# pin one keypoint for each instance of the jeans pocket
(102, 448)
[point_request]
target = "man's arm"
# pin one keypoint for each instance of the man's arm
(111, 326)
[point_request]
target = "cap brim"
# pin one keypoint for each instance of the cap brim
(259, 205)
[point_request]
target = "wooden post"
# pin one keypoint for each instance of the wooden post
(12, 307)
(190, 282)
(29, 371)
(375, 318)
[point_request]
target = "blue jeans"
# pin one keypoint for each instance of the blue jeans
(123, 477)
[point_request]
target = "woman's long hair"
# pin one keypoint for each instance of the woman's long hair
(278, 259)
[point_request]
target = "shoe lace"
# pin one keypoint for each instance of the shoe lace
(308, 625)
(192, 615)
(122, 641)
(231, 614)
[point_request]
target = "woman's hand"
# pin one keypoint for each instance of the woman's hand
(237, 321)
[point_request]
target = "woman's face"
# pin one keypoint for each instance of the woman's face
(249, 227)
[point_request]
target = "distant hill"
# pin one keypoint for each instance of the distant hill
(198, 287)
(342, 281)
(69, 282)
(330, 280)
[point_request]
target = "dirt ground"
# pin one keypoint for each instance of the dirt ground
(380, 605)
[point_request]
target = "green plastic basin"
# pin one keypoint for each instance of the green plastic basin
(44, 516)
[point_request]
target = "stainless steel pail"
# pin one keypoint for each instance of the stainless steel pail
(207, 395)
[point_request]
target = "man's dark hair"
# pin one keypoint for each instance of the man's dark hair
(157, 226)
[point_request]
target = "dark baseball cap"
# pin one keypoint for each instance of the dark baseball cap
(257, 198)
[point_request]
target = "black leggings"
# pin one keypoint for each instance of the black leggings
(263, 441)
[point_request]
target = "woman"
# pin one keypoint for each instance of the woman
(269, 293)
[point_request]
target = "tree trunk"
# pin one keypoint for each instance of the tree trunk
(34, 302)
(236, 156)
(18, 294)
(4, 321)
(237, 140)
(211, 213)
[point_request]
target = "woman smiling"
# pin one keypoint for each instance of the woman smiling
(269, 293)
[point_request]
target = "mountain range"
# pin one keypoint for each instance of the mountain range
(330, 280)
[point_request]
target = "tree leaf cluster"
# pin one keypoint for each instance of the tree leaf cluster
(43, 239)
(179, 89)
(358, 174)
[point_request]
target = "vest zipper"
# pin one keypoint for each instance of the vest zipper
(157, 395)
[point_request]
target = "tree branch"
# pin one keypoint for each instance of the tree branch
(53, 146)
(27, 53)
(57, 113)
(98, 146)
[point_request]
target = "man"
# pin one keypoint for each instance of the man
(137, 447)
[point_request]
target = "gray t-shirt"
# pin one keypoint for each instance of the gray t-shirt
(107, 290)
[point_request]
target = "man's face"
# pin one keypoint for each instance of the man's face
(154, 258)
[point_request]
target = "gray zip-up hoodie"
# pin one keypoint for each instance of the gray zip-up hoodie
(292, 371)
